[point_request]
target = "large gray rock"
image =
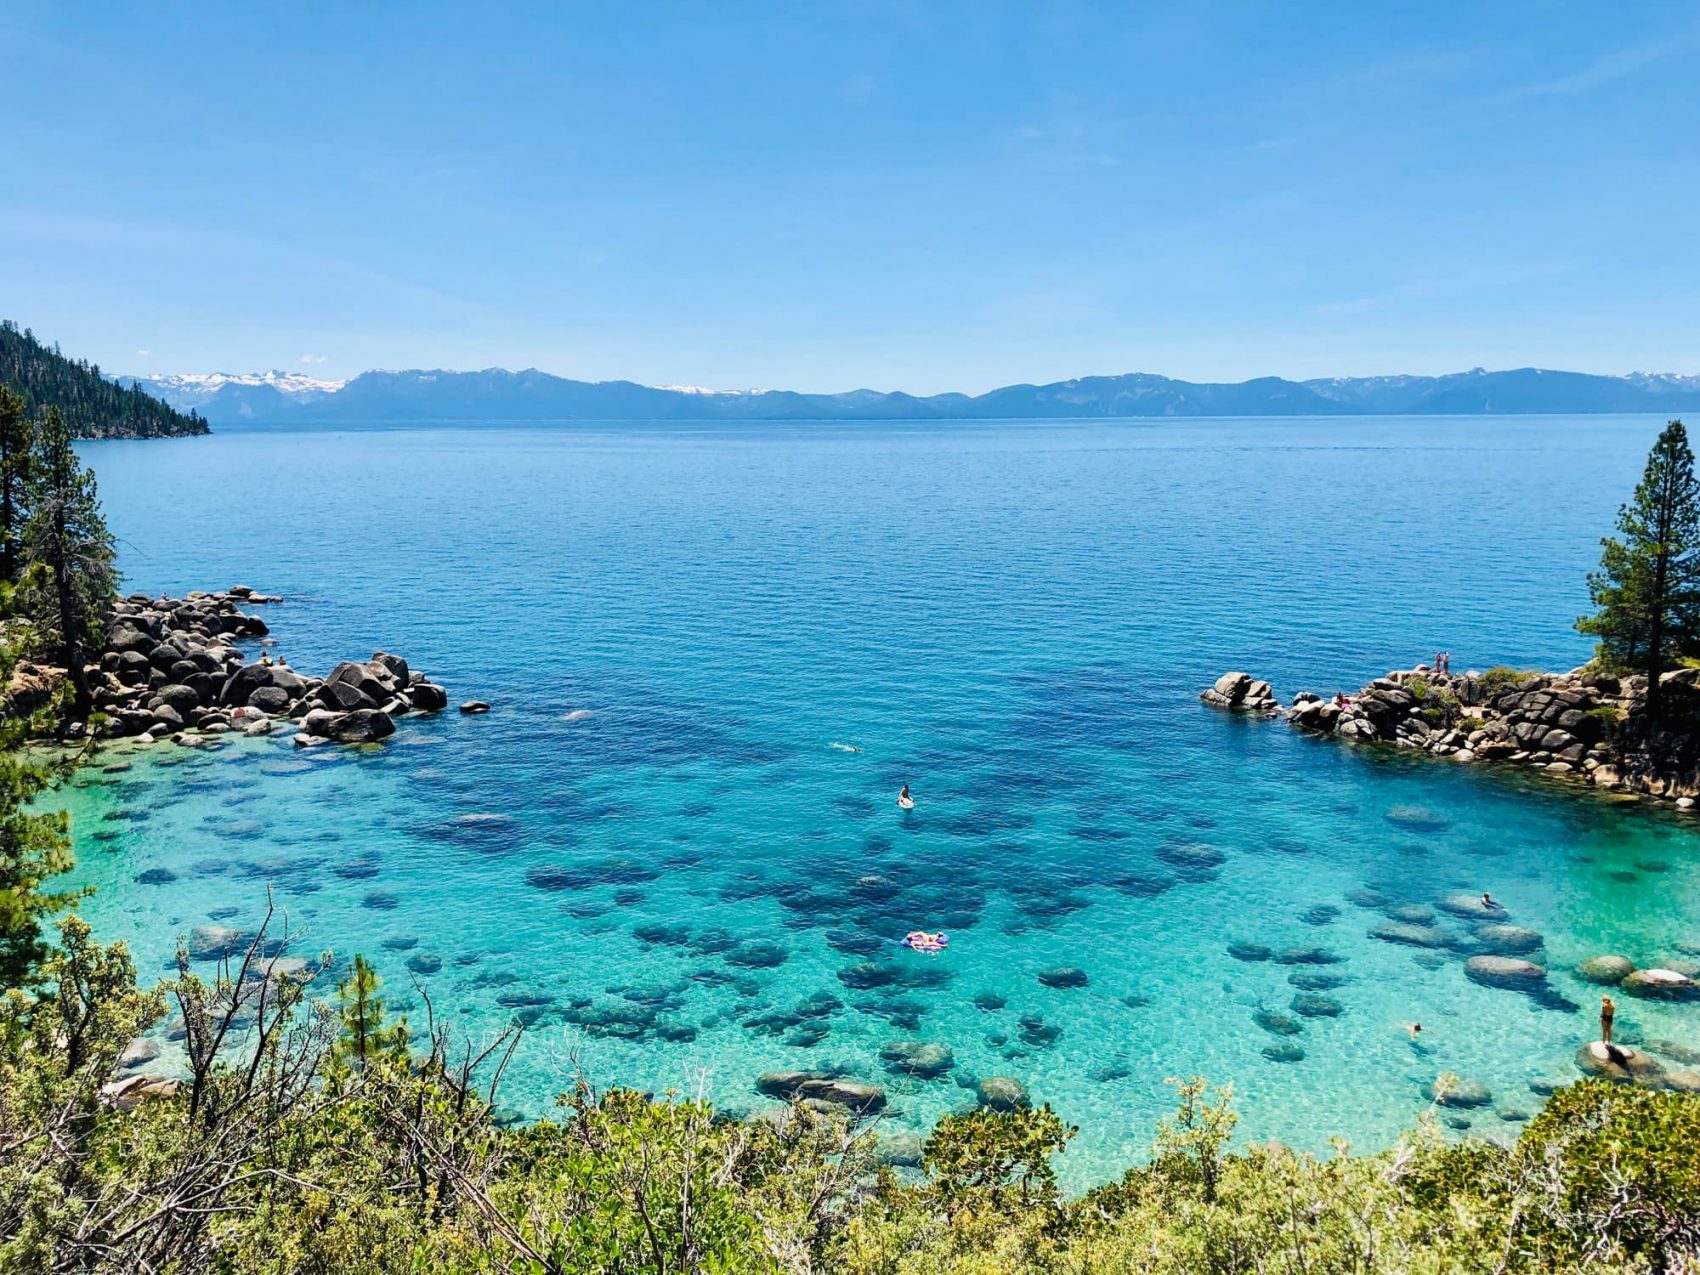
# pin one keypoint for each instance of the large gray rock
(270, 699)
(1241, 692)
(1002, 1093)
(362, 726)
(1459, 1091)
(1619, 1063)
(1605, 970)
(1413, 935)
(843, 1093)
(913, 1058)
(1471, 907)
(373, 680)
(182, 698)
(807, 1086)
(395, 664)
(1507, 940)
(344, 697)
(1505, 971)
(1660, 984)
(428, 697)
(251, 677)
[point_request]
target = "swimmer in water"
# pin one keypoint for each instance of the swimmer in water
(1413, 1029)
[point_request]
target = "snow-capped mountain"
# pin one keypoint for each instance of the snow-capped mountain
(497, 394)
(195, 389)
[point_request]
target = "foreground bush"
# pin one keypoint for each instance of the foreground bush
(332, 1138)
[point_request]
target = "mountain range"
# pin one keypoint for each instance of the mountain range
(497, 394)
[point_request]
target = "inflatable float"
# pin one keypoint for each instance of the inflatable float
(921, 941)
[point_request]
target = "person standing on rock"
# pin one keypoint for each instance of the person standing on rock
(1607, 1012)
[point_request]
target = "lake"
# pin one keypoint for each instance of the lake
(715, 653)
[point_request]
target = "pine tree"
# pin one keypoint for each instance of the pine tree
(70, 551)
(15, 443)
(1648, 586)
(364, 1036)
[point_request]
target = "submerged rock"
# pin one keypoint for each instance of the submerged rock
(1508, 940)
(1417, 818)
(1002, 1093)
(1063, 976)
(1471, 907)
(1458, 1091)
(1506, 972)
(1317, 1005)
(1413, 935)
(1605, 970)
(1619, 1063)
(1660, 984)
(925, 1061)
(1277, 1024)
(217, 942)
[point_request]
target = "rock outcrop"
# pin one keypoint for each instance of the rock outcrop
(171, 669)
(1241, 693)
(1583, 724)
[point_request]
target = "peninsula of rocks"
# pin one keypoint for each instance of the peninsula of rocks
(171, 670)
(1585, 725)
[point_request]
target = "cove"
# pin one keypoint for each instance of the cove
(651, 849)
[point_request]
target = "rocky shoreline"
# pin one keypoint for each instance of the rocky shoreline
(1583, 725)
(170, 669)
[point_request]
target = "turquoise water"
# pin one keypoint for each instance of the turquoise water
(680, 626)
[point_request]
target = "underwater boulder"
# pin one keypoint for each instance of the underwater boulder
(1064, 976)
(1660, 984)
(1002, 1093)
(1507, 972)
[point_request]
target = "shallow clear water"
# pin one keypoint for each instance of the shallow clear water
(677, 624)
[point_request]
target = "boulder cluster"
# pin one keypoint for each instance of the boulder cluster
(1576, 724)
(1241, 693)
(170, 670)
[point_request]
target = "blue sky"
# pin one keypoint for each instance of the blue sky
(820, 196)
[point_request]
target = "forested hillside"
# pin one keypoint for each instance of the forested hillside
(93, 406)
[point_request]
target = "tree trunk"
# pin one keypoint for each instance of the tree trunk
(9, 548)
(82, 696)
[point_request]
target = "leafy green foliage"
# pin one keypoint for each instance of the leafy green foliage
(1627, 1168)
(277, 1157)
(94, 406)
(1499, 679)
(1003, 1155)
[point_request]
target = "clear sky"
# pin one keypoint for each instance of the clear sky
(820, 196)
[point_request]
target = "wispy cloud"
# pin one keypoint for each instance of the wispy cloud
(142, 354)
(1603, 70)
(312, 358)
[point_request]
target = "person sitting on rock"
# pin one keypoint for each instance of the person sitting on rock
(266, 659)
(1489, 902)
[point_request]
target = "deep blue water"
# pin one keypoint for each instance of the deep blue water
(680, 627)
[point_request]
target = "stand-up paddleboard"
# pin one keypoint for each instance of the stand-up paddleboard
(906, 803)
